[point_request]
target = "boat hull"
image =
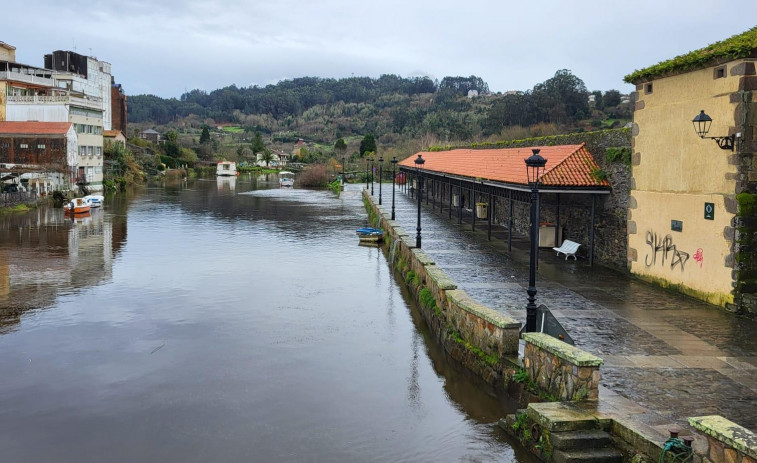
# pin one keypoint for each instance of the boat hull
(76, 206)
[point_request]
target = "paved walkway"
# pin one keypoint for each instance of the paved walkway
(667, 356)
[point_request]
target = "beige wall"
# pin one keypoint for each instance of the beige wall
(675, 172)
(2, 101)
(7, 54)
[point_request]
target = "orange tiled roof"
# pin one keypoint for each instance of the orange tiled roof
(567, 165)
(111, 133)
(34, 128)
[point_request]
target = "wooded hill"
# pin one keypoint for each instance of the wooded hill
(391, 107)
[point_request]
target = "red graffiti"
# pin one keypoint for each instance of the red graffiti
(699, 257)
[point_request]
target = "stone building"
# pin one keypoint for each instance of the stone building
(118, 106)
(691, 218)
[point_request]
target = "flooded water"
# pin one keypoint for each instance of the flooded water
(222, 320)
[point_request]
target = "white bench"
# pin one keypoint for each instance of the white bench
(569, 248)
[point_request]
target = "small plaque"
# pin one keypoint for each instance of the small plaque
(709, 211)
(676, 225)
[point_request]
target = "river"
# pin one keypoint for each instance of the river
(223, 320)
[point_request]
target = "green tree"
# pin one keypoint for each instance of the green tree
(258, 146)
(205, 136)
(340, 146)
(368, 144)
(266, 156)
(611, 98)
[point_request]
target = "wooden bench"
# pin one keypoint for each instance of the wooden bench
(569, 248)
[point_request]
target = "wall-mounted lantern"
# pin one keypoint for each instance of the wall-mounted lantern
(702, 123)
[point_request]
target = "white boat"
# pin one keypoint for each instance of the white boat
(94, 200)
(286, 178)
(76, 206)
(226, 169)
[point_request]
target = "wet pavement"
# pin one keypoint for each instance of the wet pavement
(667, 356)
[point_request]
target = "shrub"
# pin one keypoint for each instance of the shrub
(316, 176)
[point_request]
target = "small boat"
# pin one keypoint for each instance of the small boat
(226, 169)
(76, 206)
(370, 235)
(94, 200)
(286, 178)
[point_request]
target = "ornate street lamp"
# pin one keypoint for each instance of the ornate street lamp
(381, 175)
(394, 166)
(535, 169)
(702, 123)
(418, 166)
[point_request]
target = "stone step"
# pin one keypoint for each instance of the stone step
(560, 417)
(605, 455)
(590, 439)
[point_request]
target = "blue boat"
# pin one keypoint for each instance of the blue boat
(370, 235)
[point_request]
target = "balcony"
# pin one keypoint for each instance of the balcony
(26, 78)
(86, 102)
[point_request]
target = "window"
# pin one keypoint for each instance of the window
(90, 150)
(648, 88)
(41, 147)
(720, 73)
(24, 146)
(99, 150)
(82, 151)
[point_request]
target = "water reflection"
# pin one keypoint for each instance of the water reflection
(233, 327)
(44, 254)
(226, 184)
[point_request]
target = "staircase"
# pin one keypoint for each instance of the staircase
(584, 445)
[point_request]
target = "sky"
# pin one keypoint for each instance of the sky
(167, 47)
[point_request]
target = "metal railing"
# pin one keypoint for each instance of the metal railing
(18, 197)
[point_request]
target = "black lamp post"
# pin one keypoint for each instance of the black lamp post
(373, 169)
(702, 123)
(343, 177)
(535, 168)
(381, 176)
(418, 165)
(366, 173)
(394, 166)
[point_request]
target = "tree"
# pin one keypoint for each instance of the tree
(340, 146)
(611, 98)
(368, 144)
(258, 146)
(205, 136)
(563, 97)
(266, 156)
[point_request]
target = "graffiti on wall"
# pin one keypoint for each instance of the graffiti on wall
(662, 250)
(699, 256)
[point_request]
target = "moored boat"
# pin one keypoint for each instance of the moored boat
(370, 235)
(94, 200)
(76, 206)
(226, 169)
(286, 178)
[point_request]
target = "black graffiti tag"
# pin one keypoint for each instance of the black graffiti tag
(665, 248)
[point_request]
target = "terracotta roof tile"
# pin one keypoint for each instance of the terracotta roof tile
(567, 165)
(34, 128)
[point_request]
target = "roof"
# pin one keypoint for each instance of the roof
(34, 128)
(112, 133)
(567, 165)
(7, 46)
(150, 131)
(743, 45)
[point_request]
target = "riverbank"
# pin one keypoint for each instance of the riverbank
(640, 394)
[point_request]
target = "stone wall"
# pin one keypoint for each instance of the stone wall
(727, 442)
(475, 335)
(564, 371)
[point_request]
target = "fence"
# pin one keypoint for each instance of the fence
(19, 197)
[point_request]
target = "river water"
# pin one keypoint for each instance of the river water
(223, 320)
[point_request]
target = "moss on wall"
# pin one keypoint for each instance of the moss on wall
(746, 258)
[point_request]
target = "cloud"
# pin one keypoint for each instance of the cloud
(164, 47)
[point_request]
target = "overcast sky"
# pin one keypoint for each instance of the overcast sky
(166, 47)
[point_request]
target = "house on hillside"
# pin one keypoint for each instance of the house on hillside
(150, 135)
(114, 136)
(692, 220)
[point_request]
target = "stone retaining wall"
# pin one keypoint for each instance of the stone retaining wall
(727, 442)
(477, 336)
(566, 372)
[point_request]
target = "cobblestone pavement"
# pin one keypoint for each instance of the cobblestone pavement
(667, 356)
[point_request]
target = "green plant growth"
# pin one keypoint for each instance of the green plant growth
(618, 154)
(521, 376)
(738, 46)
(427, 300)
(412, 279)
(600, 175)
(489, 359)
(747, 256)
(336, 187)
